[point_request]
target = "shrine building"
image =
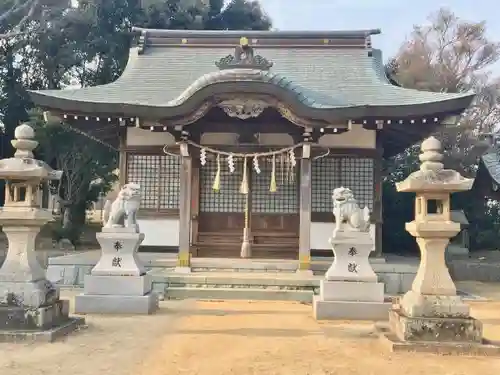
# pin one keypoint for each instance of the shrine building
(487, 181)
(241, 136)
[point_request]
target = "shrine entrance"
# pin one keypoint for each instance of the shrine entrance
(273, 216)
(221, 217)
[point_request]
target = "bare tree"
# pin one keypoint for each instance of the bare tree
(454, 55)
(16, 14)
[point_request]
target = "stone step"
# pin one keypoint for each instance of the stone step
(275, 281)
(238, 294)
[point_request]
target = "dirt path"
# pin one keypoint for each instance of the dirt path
(110, 346)
(280, 338)
(235, 337)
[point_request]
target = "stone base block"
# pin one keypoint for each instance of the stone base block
(351, 291)
(394, 344)
(30, 293)
(63, 329)
(26, 318)
(439, 329)
(420, 305)
(117, 285)
(304, 273)
(117, 304)
(350, 310)
(184, 270)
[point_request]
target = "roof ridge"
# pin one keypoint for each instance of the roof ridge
(288, 34)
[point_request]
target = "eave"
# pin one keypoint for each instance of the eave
(215, 93)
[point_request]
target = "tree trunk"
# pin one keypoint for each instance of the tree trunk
(67, 221)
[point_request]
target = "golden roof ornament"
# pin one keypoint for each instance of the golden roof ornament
(244, 41)
(244, 58)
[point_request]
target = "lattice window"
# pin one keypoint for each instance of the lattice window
(158, 176)
(284, 200)
(170, 182)
(325, 177)
(350, 172)
(357, 175)
(228, 198)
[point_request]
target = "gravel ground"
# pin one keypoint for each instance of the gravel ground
(281, 338)
(239, 337)
(111, 345)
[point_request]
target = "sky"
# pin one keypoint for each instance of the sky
(394, 17)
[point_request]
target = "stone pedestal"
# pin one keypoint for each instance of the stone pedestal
(350, 289)
(118, 284)
(30, 307)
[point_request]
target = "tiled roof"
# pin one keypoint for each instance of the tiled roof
(491, 161)
(322, 78)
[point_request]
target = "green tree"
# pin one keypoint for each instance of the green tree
(16, 16)
(88, 45)
(87, 168)
(448, 55)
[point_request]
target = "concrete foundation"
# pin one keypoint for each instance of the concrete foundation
(117, 285)
(117, 295)
(445, 329)
(116, 304)
(353, 300)
(396, 273)
(351, 291)
(45, 323)
(63, 329)
(440, 335)
(350, 310)
(392, 342)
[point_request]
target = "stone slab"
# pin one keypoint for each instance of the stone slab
(304, 273)
(66, 275)
(183, 270)
(21, 318)
(349, 310)
(390, 341)
(351, 291)
(238, 294)
(117, 285)
(96, 304)
(50, 335)
(234, 270)
(437, 329)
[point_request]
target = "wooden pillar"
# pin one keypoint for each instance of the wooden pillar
(305, 211)
(377, 197)
(195, 204)
(186, 172)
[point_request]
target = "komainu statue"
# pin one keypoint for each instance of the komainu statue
(123, 211)
(346, 210)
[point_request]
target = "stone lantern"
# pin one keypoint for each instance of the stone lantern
(431, 316)
(29, 303)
